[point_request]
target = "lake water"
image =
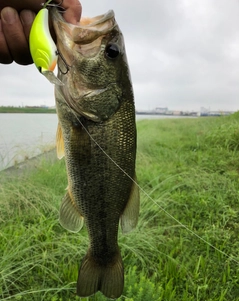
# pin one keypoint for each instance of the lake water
(23, 136)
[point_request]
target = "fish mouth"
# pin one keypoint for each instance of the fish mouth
(91, 29)
(84, 38)
(87, 30)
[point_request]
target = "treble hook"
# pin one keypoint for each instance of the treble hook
(65, 63)
(49, 4)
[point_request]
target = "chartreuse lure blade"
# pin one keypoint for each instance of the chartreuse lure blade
(42, 47)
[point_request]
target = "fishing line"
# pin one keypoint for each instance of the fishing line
(147, 195)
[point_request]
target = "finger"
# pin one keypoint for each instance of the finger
(34, 5)
(27, 18)
(15, 37)
(73, 11)
(5, 56)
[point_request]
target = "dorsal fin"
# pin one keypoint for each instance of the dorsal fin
(59, 143)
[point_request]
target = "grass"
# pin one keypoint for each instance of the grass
(26, 110)
(186, 244)
(20, 154)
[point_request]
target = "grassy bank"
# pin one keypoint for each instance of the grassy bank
(27, 110)
(185, 246)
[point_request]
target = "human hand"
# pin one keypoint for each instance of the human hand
(16, 18)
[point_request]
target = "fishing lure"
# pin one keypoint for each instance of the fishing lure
(42, 47)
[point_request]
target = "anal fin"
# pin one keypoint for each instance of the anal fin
(70, 217)
(129, 218)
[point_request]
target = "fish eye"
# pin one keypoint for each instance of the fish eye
(112, 51)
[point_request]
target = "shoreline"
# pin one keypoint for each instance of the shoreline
(30, 164)
(27, 110)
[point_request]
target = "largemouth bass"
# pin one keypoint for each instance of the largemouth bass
(97, 136)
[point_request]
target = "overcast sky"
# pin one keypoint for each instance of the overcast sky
(183, 54)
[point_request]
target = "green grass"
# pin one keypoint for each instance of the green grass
(186, 245)
(26, 110)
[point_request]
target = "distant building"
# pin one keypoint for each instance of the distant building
(216, 113)
(204, 110)
(161, 110)
(176, 113)
(195, 114)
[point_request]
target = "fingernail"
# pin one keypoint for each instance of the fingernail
(9, 15)
(27, 17)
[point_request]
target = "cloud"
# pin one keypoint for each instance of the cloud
(183, 54)
(24, 85)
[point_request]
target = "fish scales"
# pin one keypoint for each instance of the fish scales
(97, 136)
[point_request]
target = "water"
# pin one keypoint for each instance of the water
(23, 136)
(150, 116)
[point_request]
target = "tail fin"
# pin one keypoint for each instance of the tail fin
(93, 277)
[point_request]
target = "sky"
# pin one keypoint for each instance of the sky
(183, 54)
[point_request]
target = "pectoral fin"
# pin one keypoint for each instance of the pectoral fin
(59, 143)
(70, 217)
(130, 215)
